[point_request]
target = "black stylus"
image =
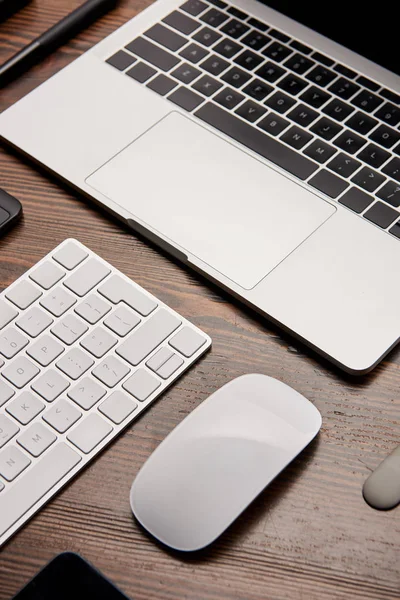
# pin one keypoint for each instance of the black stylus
(53, 38)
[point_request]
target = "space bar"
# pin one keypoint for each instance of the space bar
(257, 141)
(35, 483)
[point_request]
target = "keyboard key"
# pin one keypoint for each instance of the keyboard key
(116, 290)
(344, 165)
(194, 53)
(156, 362)
(165, 37)
(227, 48)
(89, 433)
(162, 85)
(121, 60)
(141, 385)
(75, 363)
(36, 439)
(58, 301)
(257, 89)
(187, 341)
(373, 155)
(390, 192)
(328, 62)
(214, 65)
(23, 294)
(69, 329)
(338, 110)
(7, 430)
(154, 55)
(371, 85)
(117, 407)
(228, 98)
(277, 51)
(315, 97)
(45, 350)
(50, 385)
(258, 24)
(251, 111)
(7, 313)
(320, 151)
(150, 335)
(25, 408)
(122, 321)
(255, 40)
(11, 342)
(328, 183)
(344, 88)
(92, 309)
(235, 29)
(34, 321)
(86, 277)
(248, 60)
(367, 101)
(236, 77)
(368, 179)
(292, 84)
(278, 35)
(194, 7)
(389, 95)
(381, 214)
(300, 47)
(214, 17)
(273, 124)
(218, 3)
(303, 115)
(385, 136)
(232, 10)
(47, 275)
(186, 99)
(296, 137)
(280, 102)
(389, 113)
(5, 393)
(350, 142)
(186, 72)
(270, 72)
(257, 141)
(299, 64)
(36, 483)
(70, 255)
(98, 342)
(111, 371)
(321, 76)
(326, 128)
(361, 123)
(62, 416)
(141, 72)
(395, 230)
(170, 366)
(20, 371)
(393, 169)
(207, 85)
(207, 36)
(182, 23)
(345, 71)
(86, 393)
(397, 149)
(12, 463)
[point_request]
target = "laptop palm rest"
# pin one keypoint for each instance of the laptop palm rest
(210, 199)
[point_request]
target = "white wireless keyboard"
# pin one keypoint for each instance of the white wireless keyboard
(83, 351)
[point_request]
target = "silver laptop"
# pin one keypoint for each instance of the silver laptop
(254, 148)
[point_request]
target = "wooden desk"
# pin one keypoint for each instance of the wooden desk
(310, 535)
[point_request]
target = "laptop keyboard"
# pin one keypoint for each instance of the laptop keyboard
(317, 119)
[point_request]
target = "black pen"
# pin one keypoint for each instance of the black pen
(53, 38)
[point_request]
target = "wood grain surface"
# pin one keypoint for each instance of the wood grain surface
(310, 535)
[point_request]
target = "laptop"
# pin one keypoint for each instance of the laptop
(256, 142)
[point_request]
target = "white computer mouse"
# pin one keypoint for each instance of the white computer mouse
(222, 455)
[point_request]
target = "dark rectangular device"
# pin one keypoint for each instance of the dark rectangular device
(10, 211)
(69, 577)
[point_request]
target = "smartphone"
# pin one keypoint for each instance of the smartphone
(69, 577)
(10, 211)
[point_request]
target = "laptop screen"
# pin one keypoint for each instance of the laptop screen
(370, 30)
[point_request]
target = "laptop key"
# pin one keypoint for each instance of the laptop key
(218, 3)
(350, 142)
(256, 40)
(251, 111)
(89, 433)
(206, 36)
(258, 24)
(277, 51)
(373, 155)
(280, 102)
(194, 7)
(278, 35)
(326, 128)
(393, 169)
(34, 321)
(258, 90)
(299, 64)
(207, 85)
(395, 230)
(389, 113)
(328, 62)
(121, 60)
(50, 385)
(300, 47)
(248, 60)
(69, 329)
(186, 99)
(356, 200)
(303, 115)
(368, 179)
(361, 123)
(344, 165)
(235, 29)
(273, 124)
(321, 76)
(154, 55)
(315, 97)
(186, 73)
(162, 85)
(171, 40)
(320, 151)
(214, 65)
(181, 22)
(214, 17)
(228, 98)
(116, 290)
(141, 72)
(296, 137)
(390, 192)
(227, 48)
(336, 109)
(20, 372)
(236, 77)
(385, 136)
(344, 88)
(345, 71)
(23, 294)
(328, 183)
(381, 214)
(389, 95)
(371, 85)
(292, 84)
(239, 14)
(270, 72)
(7, 313)
(367, 101)
(194, 53)
(11, 342)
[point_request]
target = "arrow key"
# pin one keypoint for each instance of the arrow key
(62, 416)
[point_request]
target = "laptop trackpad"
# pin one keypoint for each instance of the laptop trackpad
(211, 199)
